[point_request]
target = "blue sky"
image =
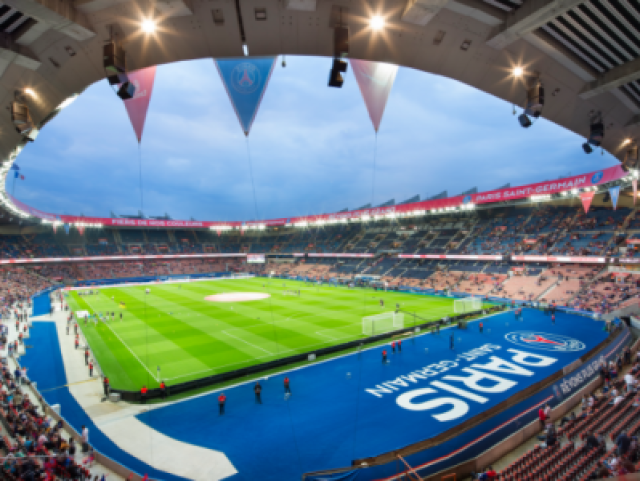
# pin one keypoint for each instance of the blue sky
(311, 147)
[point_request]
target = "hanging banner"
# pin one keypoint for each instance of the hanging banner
(586, 198)
(614, 192)
(245, 81)
(66, 228)
(634, 183)
(81, 230)
(55, 227)
(375, 80)
(137, 106)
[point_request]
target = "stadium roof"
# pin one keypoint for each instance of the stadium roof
(586, 53)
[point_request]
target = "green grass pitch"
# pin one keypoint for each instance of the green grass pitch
(174, 328)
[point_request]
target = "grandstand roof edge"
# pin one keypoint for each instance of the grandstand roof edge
(589, 179)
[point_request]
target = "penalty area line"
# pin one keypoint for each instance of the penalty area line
(247, 342)
(125, 345)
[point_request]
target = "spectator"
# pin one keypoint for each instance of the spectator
(623, 443)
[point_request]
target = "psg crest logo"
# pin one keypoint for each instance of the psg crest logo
(245, 78)
(597, 177)
(544, 341)
(466, 199)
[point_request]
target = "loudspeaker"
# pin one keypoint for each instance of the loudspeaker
(126, 91)
(596, 134)
(335, 77)
(21, 118)
(524, 121)
(535, 100)
(340, 42)
(587, 148)
(114, 62)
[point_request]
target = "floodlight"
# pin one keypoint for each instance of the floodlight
(148, 25)
(377, 22)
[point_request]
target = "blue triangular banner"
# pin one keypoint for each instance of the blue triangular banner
(66, 228)
(614, 192)
(15, 166)
(245, 81)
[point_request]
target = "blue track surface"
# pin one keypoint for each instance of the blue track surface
(44, 365)
(331, 418)
(41, 304)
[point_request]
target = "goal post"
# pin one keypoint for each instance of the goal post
(385, 322)
(467, 304)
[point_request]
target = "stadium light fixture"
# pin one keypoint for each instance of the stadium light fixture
(30, 92)
(626, 142)
(66, 102)
(596, 132)
(377, 23)
(148, 26)
(518, 71)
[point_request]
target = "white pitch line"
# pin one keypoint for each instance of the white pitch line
(247, 342)
(125, 345)
(346, 336)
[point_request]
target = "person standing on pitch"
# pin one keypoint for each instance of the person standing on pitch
(399, 345)
(451, 342)
(86, 357)
(143, 395)
(553, 318)
(90, 368)
(222, 399)
(163, 390)
(257, 389)
(287, 389)
(384, 356)
(105, 385)
(481, 326)
(393, 346)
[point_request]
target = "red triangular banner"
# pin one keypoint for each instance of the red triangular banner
(375, 80)
(586, 198)
(81, 230)
(54, 228)
(218, 231)
(634, 183)
(137, 106)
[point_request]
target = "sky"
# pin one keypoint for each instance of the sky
(311, 147)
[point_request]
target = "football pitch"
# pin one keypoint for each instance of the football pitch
(175, 329)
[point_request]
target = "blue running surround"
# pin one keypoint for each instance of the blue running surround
(355, 406)
(42, 304)
(44, 365)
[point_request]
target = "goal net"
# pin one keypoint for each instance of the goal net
(468, 304)
(388, 321)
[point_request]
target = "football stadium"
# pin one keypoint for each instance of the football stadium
(319, 240)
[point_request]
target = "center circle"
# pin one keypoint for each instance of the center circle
(237, 297)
